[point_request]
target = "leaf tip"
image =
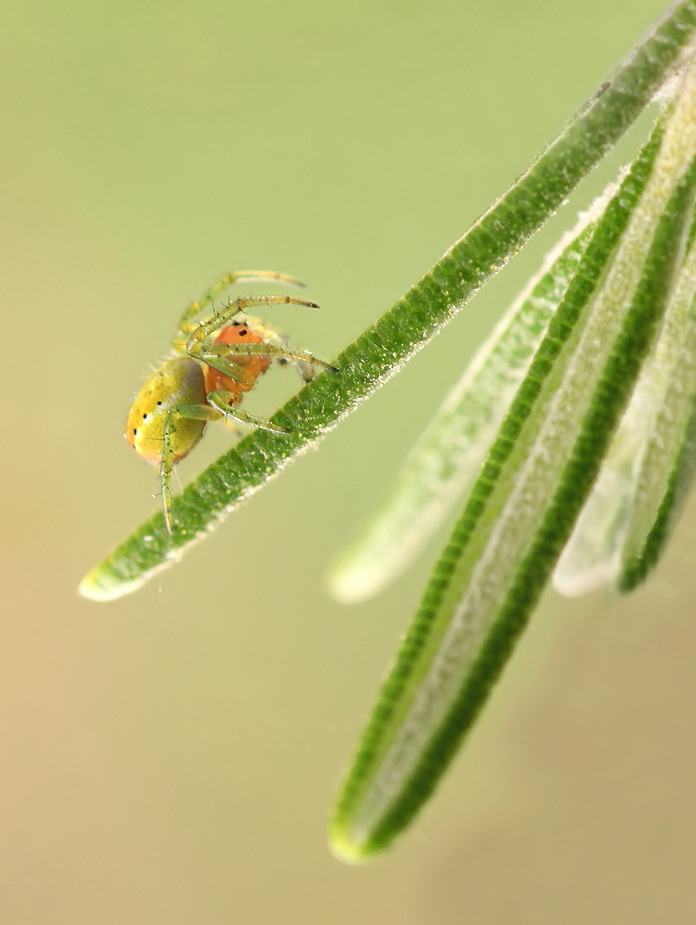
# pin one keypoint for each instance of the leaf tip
(345, 847)
(103, 584)
(356, 575)
(343, 588)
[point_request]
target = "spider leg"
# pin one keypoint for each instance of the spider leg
(220, 405)
(271, 335)
(192, 311)
(195, 412)
(225, 404)
(219, 356)
(227, 313)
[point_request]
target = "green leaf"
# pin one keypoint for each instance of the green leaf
(627, 518)
(670, 450)
(448, 454)
(635, 567)
(523, 507)
(412, 321)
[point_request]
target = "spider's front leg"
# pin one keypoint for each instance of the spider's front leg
(195, 309)
(220, 356)
(224, 315)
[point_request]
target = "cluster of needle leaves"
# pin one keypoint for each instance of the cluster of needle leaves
(603, 332)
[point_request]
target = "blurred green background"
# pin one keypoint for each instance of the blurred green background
(171, 757)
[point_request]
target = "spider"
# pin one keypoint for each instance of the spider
(218, 355)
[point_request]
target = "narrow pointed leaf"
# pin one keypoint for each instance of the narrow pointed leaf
(523, 507)
(670, 454)
(646, 472)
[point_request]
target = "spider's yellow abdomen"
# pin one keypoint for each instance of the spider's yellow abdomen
(177, 382)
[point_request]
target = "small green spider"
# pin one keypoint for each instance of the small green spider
(215, 360)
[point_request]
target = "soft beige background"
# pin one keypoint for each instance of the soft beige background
(170, 758)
